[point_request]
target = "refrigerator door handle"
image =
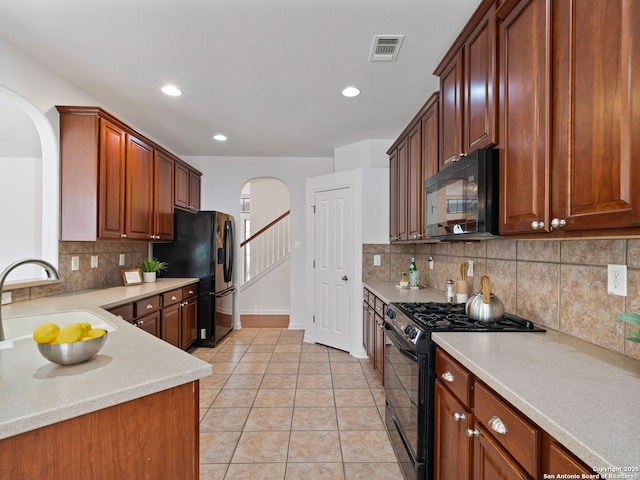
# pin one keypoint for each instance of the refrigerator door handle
(228, 251)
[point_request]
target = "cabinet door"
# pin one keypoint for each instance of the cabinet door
(452, 447)
(480, 106)
(181, 186)
(194, 191)
(596, 146)
(415, 184)
(394, 196)
(524, 160)
(171, 325)
(367, 330)
(113, 147)
(451, 113)
(139, 182)
(402, 184)
(189, 322)
(560, 460)
(379, 341)
(149, 323)
(162, 196)
(491, 462)
(430, 141)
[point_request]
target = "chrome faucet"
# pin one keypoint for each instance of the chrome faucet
(52, 274)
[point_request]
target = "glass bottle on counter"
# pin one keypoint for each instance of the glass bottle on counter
(414, 278)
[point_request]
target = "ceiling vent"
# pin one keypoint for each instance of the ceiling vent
(385, 48)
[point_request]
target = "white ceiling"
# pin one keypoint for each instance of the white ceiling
(266, 73)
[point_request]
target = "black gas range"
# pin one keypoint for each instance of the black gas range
(409, 374)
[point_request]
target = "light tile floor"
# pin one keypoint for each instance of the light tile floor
(278, 408)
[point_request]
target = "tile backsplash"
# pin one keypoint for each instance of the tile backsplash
(107, 274)
(561, 284)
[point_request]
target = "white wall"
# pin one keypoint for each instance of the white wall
(270, 295)
(269, 200)
(365, 154)
(222, 182)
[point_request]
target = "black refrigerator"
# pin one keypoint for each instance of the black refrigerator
(203, 248)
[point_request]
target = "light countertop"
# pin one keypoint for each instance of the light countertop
(583, 395)
(132, 364)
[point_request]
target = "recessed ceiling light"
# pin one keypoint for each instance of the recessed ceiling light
(351, 92)
(171, 90)
(220, 137)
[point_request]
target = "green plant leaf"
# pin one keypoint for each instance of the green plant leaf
(633, 318)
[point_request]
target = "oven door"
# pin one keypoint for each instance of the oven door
(403, 418)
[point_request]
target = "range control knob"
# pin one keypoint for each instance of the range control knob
(412, 332)
(391, 313)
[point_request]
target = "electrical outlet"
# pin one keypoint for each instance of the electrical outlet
(470, 269)
(6, 298)
(121, 260)
(617, 280)
(430, 263)
(75, 263)
(94, 261)
(377, 260)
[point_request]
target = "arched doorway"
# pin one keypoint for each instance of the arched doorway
(29, 184)
(263, 230)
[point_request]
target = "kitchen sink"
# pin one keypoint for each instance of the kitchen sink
(17, 328)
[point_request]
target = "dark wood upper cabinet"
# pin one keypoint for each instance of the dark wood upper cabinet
(524, 157)
(114, 183)
(402, 184)
(468, 77)
(139, 212)
(415, 183)
(163, 171)
(596, 83)
(568, 76)
(112, 162)
(187, 188)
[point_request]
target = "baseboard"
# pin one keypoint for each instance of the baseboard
(254, 320)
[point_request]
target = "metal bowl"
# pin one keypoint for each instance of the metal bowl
(72, 353)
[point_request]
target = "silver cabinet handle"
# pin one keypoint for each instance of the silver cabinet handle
(447, 376)
(497, 426)
(536, 225)
(558, 223)
(174, 297)
(190, 292)
(472, 433)
(457, 417)
(149, 307)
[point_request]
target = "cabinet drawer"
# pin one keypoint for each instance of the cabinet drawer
(454, 376)
(190, 291)
(147, 305)
(124, 311)
(509, 427)
(169, 298)
(380, 306)
(372, 299)
(365, 294)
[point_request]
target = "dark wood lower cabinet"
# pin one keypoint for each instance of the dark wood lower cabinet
(452, 451)
(491, 461)
(171, 325)
(189, 322)
(156, 436)
(150, 323)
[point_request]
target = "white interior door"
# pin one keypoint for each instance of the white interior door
(333, 266)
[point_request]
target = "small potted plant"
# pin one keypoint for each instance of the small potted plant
(634, 319)
(151, 267)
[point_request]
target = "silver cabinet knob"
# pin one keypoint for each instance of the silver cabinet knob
(448, 376)
(345, 278)
(558, 223)
(472, 433)
(123, 235)
(537, 225)
(457, 417)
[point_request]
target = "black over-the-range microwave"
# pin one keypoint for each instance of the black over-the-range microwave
(462, 200)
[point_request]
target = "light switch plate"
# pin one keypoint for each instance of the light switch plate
(377, 260)
(94, 261)
(617, 280)
(75, 263)
(470, 269)
(121, 260)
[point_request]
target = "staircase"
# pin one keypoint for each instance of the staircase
(265, 250)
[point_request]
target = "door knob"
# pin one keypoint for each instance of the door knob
(345, 278)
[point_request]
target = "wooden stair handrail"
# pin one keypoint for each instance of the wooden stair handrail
(264, 229)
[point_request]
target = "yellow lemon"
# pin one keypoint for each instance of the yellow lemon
(94, 333)
(70, 333)
(86, 326)
(46, 333)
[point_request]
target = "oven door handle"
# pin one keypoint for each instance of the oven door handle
(397, 342)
